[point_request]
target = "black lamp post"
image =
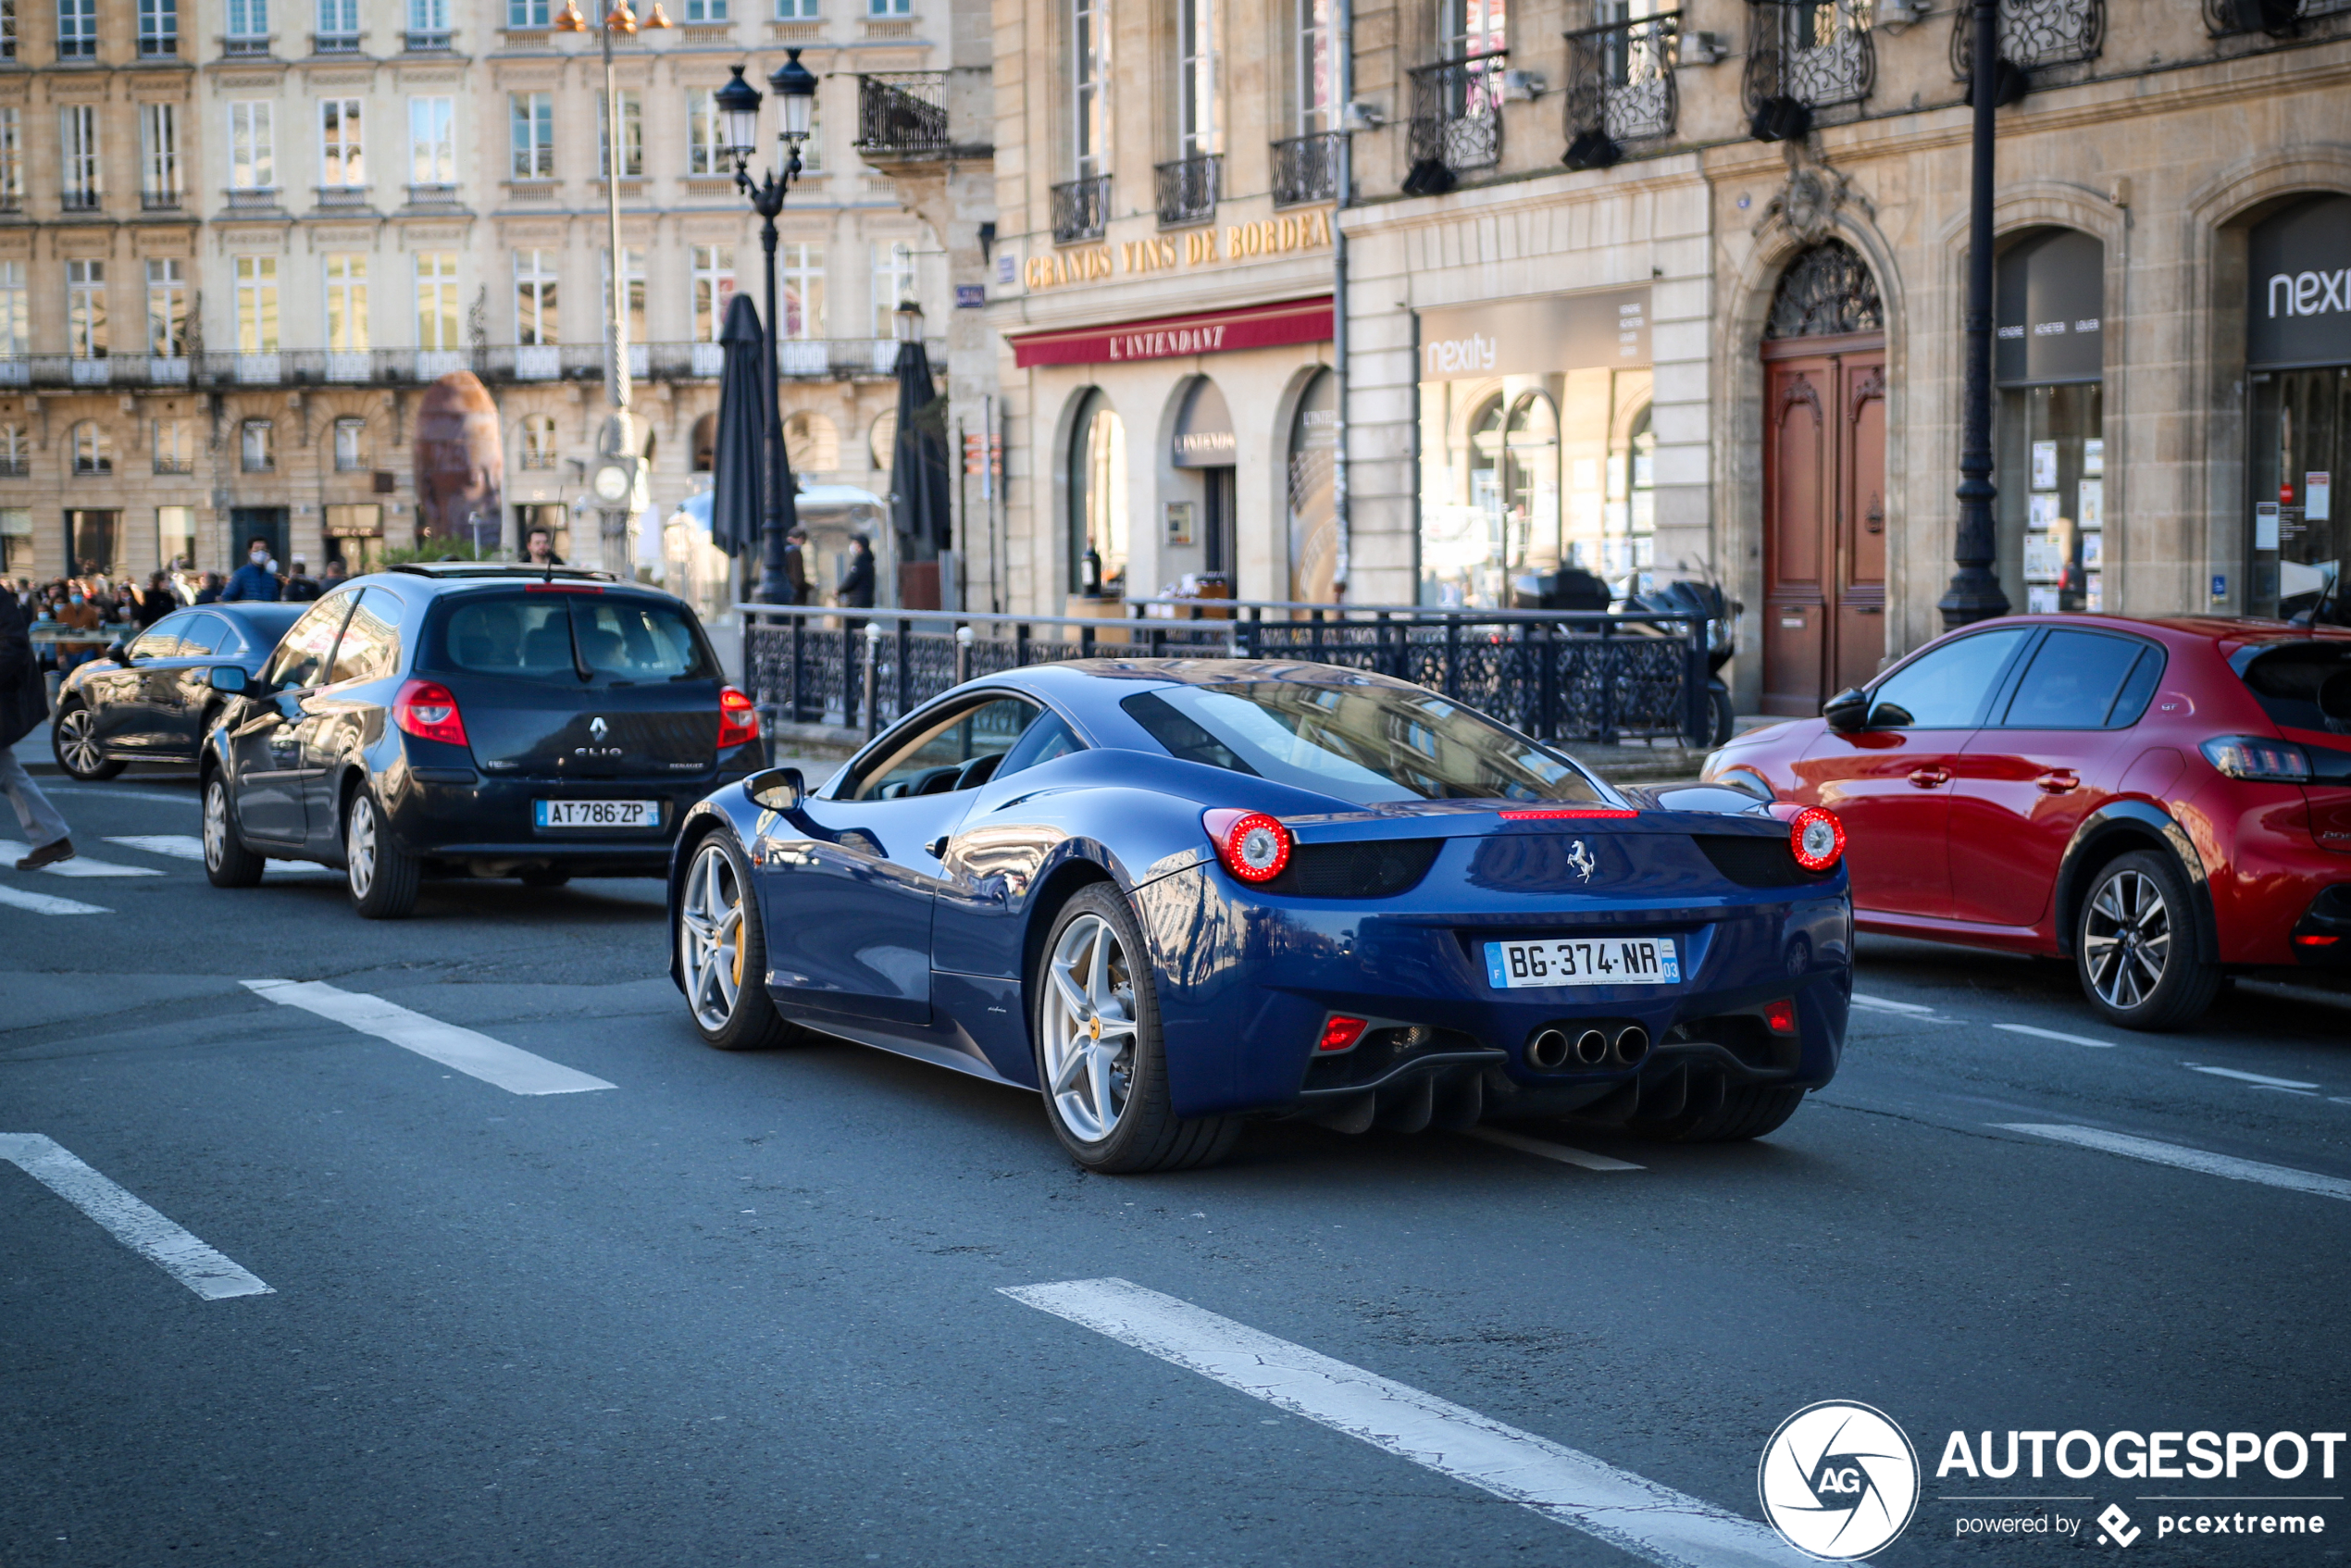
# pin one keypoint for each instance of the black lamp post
(795, 89)
(1975, 595)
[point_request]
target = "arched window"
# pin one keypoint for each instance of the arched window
(1314, 509)
(705, 442)
(1098, 500)
(1824, 292)
(351, 446)
(538, 440)
(93, 449)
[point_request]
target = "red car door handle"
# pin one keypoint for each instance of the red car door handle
(2056, 781)
(1928, 778)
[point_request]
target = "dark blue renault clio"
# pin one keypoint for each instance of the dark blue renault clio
(471, 719)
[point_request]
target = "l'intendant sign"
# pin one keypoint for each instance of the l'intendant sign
(1610, 328)
(1178, 337)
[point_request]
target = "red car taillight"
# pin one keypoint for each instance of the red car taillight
(738, 720)
(1340, 1034)
(429, 710)
(1252, 845)
(2255, 758)
(1817, 839)
(1780, 1017)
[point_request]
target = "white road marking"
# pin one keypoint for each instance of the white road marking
(2190, 1159)
(1653, 1523)
(43, 904)
(79, 865)
(202, 1270)
(1560, 1151)
(2052, 1034)
(1881, 1004)
(477, 1055)
(121, 795)
(2262, 1078)
(187, 846)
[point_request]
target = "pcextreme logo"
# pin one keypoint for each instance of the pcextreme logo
(1838, 1480)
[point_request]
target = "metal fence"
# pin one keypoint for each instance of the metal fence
(1557, 675)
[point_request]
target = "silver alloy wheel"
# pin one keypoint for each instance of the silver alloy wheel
(215, 823)
(1090, 1029)
(2126, 941)
(78, 741)
(359, 845)
(710, 937)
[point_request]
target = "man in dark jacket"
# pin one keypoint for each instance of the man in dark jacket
(857, 583)
(254, 580)
(300, 584)
(796, 563)
(24, 703)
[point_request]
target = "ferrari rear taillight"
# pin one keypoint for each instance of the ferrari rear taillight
(429, 710)
(1252, 845)
(1341, 1033)
(738, 718)
(1817, 839)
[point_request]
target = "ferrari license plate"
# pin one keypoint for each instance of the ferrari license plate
(597, 813)
(1584, 961)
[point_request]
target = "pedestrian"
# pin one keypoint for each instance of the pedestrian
(300, 586)
(77, 614)
(857, 582)
(539, 547)
(333, 577)
(796, 564)
(254, 580)
(208, 590)
(158, 601)
(24, 703)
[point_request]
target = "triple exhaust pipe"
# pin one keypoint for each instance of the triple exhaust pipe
(1551, 1050)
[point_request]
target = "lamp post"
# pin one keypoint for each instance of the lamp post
(618, 481)
(1975, 594)
(795, 89)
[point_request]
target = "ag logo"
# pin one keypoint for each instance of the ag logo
(1581, 859)
(1838, 1480)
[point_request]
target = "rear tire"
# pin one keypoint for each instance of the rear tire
(722, 952)
(1746, 1111)
(1719, 719)
(1100, 1060)
(227, 862)
(382, 875)
(2135, 945)
(73, 740)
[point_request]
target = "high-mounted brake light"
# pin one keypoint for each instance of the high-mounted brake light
(429, 710)
(1817, 839)
(1252, 845)
(738, 718)
(562, 588)
(1340, 1034)
(1547, 814)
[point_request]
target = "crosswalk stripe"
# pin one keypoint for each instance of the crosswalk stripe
(168, 1245)
(79, 865)
(187, 846)
(2187, 1159)
(1630, 1512)
(44, 904)
(1560, 1151)
(477, 1055)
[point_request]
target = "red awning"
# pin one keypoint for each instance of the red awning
(1170, 336)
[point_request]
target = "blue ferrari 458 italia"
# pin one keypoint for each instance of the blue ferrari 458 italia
(1174, 895)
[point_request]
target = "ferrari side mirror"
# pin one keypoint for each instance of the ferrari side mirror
(776, 789)
(1848, 711)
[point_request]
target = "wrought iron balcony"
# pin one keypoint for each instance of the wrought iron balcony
(254, 199)
(83, 201)
(1620, 87)
(1803, 56)
(2279, 18)
(2033, 33)
(16, 468)
(155, 47)
(334, 43)
(1187, 190)
(1081, 209)
(434, 41)
(1306, 170)
(434, 195)
(902, 114)
(1457, 119)
(245, 45)
(159, 201)
(352, 196)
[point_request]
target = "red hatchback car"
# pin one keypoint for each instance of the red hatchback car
(2164, 802)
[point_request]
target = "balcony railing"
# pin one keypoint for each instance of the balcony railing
(175, 466)
(334, 43)
(903, 113)
(83, 201)
(813, 359)
(1187, 190)
(2279, 18)
(159, 201)
(245, 45)
(343, 195)
(434, 41)
(1620, 87)
(1306, 170)
(1081, 209)
(155, 47)
(1807, 55)
(1457, 119)
(262, 198)
(16, 468)
(434, 195)
(11, 201)
(2033, 33)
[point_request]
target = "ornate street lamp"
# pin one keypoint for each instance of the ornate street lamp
(1975, 594)
(619, 481)
(794, 86)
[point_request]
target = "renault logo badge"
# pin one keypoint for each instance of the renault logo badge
(596, 727)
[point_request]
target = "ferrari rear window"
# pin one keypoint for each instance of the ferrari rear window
(1363, 744)
(2302, 685)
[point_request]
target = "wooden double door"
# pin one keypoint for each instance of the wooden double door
(1823, 517)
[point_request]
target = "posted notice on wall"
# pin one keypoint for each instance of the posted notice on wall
(2317, 492)
(2265, 524)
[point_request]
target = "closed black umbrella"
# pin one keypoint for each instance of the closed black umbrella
(738, 460)
(918, 462)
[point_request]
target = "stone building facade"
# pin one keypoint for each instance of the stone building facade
(360, 195)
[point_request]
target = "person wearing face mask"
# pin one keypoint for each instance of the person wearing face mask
(254, 580)
(77, 614)
(24, 703)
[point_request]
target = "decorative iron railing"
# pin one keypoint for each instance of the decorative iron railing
(1188, 189)
(1081, 209)
(2032, 33)
(1817, 52)
(2279, 18)
(1620, 79)
(334, 43)
(903, 113)
(1306, 170)
(819, 359)
(436, 41)
(1457, 112)
(1556, 675)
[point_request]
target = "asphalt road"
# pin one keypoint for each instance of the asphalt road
(751, 1310)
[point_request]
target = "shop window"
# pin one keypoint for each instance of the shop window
(1098, 535)
(2298, 372)
(2050, 455)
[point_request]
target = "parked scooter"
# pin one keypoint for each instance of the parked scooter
(1722, 638)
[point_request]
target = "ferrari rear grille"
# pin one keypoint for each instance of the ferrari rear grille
(1756, 861)
(1363, 870)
